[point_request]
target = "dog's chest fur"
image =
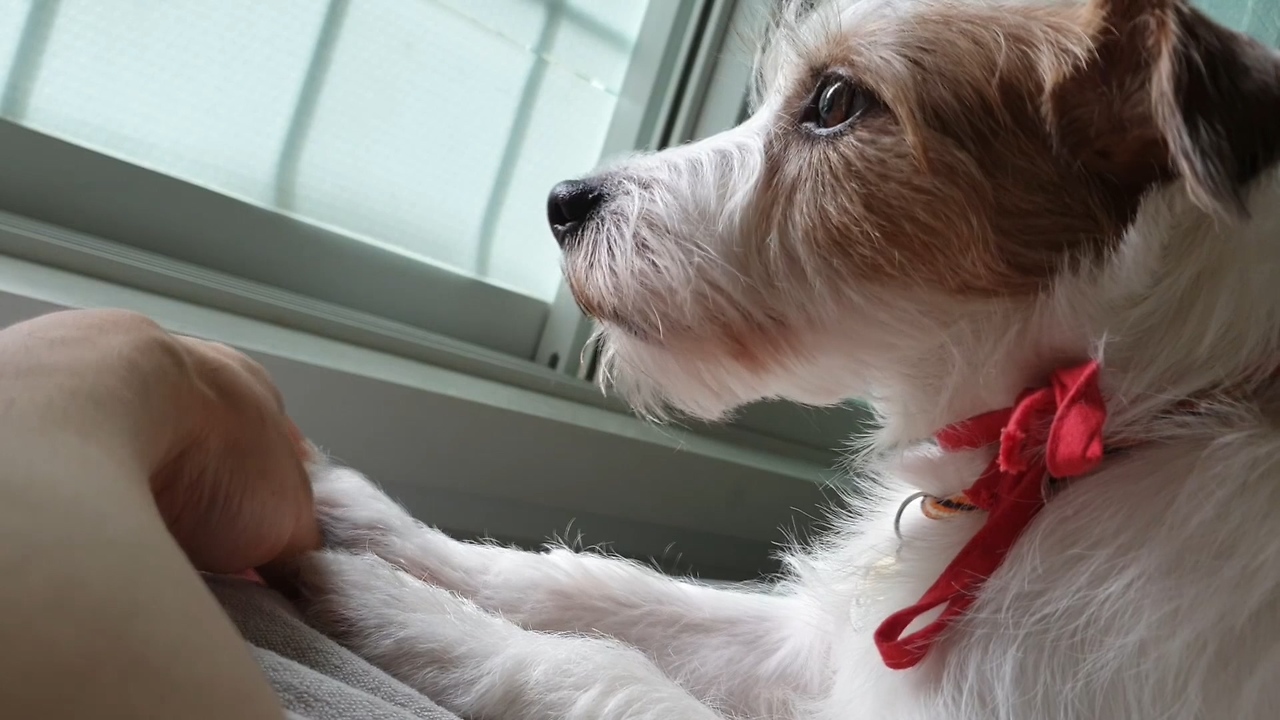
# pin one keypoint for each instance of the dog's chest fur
(1150, 588)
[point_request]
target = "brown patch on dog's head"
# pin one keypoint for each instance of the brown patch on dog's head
(949, 181)
(1170, 94)
(1006, 142)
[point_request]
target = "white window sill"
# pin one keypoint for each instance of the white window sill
(478, 456)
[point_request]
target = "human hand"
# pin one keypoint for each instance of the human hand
(201, 421)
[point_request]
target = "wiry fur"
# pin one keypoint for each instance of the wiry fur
(937, 259)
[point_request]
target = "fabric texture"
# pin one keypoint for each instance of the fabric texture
(315, 677)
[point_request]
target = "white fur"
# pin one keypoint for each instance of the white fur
(1148, 590)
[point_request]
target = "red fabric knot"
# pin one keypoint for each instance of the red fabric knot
(1053, 431)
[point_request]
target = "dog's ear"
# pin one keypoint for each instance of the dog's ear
(1169, 93)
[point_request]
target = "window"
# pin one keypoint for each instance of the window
(430, 127)
(388, 157)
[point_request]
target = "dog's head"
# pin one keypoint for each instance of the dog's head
(909, 163)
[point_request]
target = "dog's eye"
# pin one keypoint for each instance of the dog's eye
(837, 102)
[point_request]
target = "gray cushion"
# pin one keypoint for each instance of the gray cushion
(315, 677)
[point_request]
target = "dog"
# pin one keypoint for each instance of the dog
(1042, 240)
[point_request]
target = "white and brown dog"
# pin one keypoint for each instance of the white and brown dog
(1043, 239)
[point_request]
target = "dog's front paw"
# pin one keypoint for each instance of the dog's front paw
(354, 513)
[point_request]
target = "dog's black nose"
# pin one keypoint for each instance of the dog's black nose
(569, 207)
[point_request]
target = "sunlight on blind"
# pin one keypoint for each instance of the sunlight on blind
(434, 127)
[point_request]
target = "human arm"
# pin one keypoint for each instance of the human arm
(114, 434)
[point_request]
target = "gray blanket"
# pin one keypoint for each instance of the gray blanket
(316, 678)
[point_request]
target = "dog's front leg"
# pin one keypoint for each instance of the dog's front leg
(752, 653)
(474, 663)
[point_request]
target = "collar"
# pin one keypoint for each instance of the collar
(1052, 433)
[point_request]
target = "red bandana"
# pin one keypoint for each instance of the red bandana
(1051, 432)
